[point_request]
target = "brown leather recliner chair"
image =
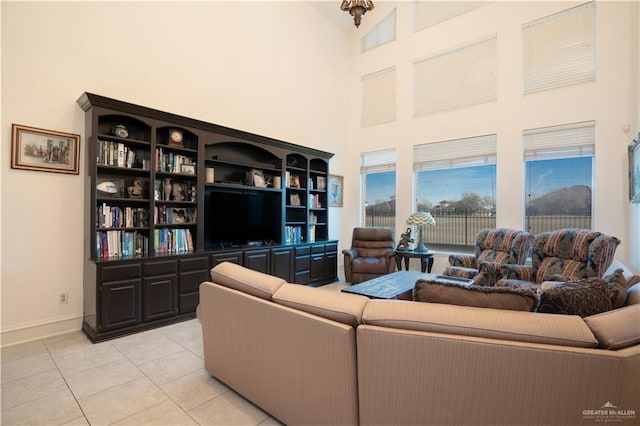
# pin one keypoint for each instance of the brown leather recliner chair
(371, 254)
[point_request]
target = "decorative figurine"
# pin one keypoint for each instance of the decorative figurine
(120, 131)
(405, 240)
(135, 190)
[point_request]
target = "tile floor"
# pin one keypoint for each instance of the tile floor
(155, 377)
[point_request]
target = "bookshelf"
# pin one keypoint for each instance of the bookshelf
(169, 197)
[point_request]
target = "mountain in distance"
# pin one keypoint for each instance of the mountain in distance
(574, 200)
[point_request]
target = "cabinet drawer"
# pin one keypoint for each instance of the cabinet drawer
(300, 251)
(331, 248)
(189, 282)
(318, 249)
(193, 264)
(160, 268)
(119, 272)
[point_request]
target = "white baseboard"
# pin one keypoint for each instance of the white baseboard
(40, 330)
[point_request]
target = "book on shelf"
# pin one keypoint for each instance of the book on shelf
(172, 241)
(292, 234)
(120, 243)
(118, 154)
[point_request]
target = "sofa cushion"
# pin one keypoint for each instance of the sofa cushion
(240, 278)
(585, 297)
(633, 295)
(341, 307)
(529, 327)
(631, 274)
(508, 297)
(616, 329)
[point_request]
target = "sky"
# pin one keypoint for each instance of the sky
(545, 175)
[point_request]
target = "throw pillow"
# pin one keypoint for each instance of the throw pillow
(618, 288)
(508, 297)
(583, 298)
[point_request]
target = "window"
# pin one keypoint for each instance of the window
(384, 32)
(379, 97)
(457, 78)
(455, 180)
(429, 13)
(378, 180)
(559, 50)
(559, 176)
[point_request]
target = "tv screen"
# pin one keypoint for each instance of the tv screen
(237, 217)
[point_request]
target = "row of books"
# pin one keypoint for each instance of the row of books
(292, 234)
(121, 244)
(314, 201)
(167, 241)
(174, 215)
(118, 154)
(174, 163)
(118, 217)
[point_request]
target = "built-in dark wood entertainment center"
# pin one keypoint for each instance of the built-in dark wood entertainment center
(169, 197)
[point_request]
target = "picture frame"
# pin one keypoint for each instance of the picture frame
(634, 170)
(336, 188)
(44, 150)
(322, 183)
(188, 169)
(294, 199)
(256, 178)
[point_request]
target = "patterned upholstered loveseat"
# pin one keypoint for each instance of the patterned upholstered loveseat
(492, 249)
(563, 255)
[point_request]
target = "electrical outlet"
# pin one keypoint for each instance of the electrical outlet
(64, 298)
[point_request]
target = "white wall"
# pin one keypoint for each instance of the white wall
(611, 101)
(276, 69)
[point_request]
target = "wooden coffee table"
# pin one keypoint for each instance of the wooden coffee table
(397, 285)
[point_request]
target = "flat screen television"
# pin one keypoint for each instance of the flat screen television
(238, 217)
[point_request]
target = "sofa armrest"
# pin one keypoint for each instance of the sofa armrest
(350, 253)
(388, 255)
(518, 272)
(464, 260)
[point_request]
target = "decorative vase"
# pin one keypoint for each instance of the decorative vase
(167, 189)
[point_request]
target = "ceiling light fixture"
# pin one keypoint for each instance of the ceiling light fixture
(357, 8)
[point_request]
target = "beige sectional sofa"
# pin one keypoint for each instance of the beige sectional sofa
(316, 356)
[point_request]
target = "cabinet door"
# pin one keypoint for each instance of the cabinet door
(331, 262)
(282, 263)
(317, 267)
(120, 304)
(258, 260)
(160, 297)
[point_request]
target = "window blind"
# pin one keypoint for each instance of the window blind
(564, 141)
(378, 161)
(457, 78)
(456, 153)
(383, 32)
(429, 13)
(559, 50)
(379, 97)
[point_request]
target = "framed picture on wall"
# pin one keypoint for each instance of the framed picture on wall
(44, 150)
(634, 170)
(335, 190)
